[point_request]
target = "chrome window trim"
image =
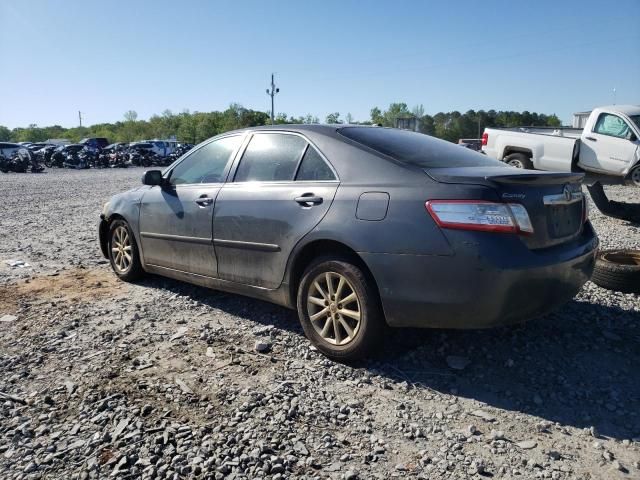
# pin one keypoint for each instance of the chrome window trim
(561, 199)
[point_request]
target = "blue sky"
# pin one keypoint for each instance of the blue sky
(105, 58)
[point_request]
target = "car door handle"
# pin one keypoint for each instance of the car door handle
(308, 199)
(204, 201)
(591, 139)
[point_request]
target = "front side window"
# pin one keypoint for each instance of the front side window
(313, 167)
(207, 164)
(612, 125)
(270, 157)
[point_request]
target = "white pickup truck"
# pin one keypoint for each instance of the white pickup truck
(609, 145)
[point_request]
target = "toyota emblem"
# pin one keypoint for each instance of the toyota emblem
(566, 191)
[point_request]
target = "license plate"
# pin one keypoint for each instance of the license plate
(564, 220)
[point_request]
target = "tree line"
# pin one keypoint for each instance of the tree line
(194, 127)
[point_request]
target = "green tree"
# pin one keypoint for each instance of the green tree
(333, 118)
(5, 134)
(310, 119)
(376, 116)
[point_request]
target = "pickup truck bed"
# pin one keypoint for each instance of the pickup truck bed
(554, 149)
(608, 145)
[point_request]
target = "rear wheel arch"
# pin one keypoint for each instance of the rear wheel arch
(508, 150)
(327, 249)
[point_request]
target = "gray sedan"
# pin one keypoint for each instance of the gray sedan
(358, 228)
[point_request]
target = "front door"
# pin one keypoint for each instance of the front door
(176, 219)
(608, 147)
(282, 189)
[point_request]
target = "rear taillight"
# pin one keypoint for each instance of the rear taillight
(480, 215)
(485, 138)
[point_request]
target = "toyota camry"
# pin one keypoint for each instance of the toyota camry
(359, 229)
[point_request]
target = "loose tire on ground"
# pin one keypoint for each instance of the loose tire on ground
(327, 312)
(123, 252)
(519, 160)
(618, 270)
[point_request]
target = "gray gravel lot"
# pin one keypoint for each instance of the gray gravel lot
(102, 379)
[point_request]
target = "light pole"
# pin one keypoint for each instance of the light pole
(272, 93)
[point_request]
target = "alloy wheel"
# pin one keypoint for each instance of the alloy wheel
(334, 308)
(635, 177)
(121, 250)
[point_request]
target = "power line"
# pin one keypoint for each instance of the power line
(272, 93)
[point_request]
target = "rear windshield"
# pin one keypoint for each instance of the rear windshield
(417, 149)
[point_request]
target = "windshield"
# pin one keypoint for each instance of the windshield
(416, 148)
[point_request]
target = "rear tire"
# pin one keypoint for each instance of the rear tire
(519, 160)
(123, 252)
(339, 309)
(618, 270)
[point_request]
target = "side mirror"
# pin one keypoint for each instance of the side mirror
(152, 177)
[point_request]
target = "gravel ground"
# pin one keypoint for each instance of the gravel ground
(102, 379)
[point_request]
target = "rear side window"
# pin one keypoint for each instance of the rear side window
(313, 167)
(417, 149)
(270, 157)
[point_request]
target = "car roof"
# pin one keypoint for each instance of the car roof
(626, 109)
(317, 128)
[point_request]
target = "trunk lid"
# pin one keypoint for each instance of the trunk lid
(554, 201)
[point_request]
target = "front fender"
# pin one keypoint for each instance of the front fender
(103, 235)
(126, 206)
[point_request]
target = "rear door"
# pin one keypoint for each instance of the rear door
(176, 219)
(608, 146)
(281, 189)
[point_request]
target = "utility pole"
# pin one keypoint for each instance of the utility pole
(614, 95)
(80, 117)
(272, 93)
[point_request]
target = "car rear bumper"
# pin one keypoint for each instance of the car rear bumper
(490, 281)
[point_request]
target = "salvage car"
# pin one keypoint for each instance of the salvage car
(358, 228)
(7, 149)
(609, 144)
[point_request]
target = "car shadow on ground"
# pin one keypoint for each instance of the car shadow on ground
(577, 366)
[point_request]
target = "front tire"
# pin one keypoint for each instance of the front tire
(634, 176)
(519, 160)
(339, 310)
(123, 252)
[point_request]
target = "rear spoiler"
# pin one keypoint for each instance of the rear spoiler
(536, 179)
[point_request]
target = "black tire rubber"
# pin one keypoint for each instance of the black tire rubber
(618, 270)
(135, 271)
(522, 158)
(372, 325)
(634, 173)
